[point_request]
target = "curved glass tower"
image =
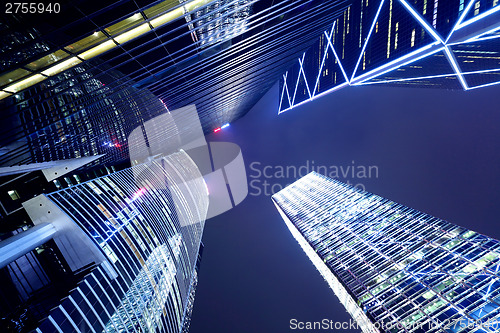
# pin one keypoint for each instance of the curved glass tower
(133, 237)
(394, 268)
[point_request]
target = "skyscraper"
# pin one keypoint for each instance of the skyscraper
(118, 253)
(395, 269)
(60, 70)
(434, 44)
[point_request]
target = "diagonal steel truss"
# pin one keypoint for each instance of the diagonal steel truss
(466, 30)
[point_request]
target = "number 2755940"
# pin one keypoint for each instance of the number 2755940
(31, 7)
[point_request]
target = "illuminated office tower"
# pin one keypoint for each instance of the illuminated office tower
(395, 269)
(119, 57)
(437, 44)
(117, 253)
(89, 118)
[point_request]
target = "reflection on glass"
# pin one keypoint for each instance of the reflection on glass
(61, 66)
(4, 94)
(131, 34)
(160, 8)
(124, 24)
(167, 17)
(47, 60)
(12, 76)
(108, 45)
(16, 87)
(95, 38)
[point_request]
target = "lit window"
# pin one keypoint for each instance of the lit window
(434, 17)
(101, 48)
(47, 60)
(86, 42)
(131, 34)
(12, 76)
(77, 178)
(124, 24)
(20, 85)
(68, 181)
(14, 195)
(4, 94)
(159, 8)
(62, 66)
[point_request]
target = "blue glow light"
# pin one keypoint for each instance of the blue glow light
(422, 21)
(408, 79)
(282, 91)
(301, 71)
(338, 59)
(478, 17)
(367, 39)
(456, 68)
(409, 55)
(464, 13)
(485, 85)
(479, 38)
(224, 126)
(324, 58)
(430, 77)
(301, 62)
(340, 86)
(426, 51)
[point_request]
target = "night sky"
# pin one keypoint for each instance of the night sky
(435, 150)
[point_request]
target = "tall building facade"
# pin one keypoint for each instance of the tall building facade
(437, 44)
(132, 59)
(117, 253)
(395, 269)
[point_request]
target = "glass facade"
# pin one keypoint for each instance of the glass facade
(88, 116)
(394, 268)
(146, 223)
(220, 20)
(132, 216)
(221, 55)
(423, 43)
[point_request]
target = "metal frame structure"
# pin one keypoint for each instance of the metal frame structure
(470, 46)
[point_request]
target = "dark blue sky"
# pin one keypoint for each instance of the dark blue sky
(435, 150)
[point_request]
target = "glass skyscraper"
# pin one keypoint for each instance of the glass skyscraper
(118, 253)
(451, 44)
(130, 59)
(395, 269)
